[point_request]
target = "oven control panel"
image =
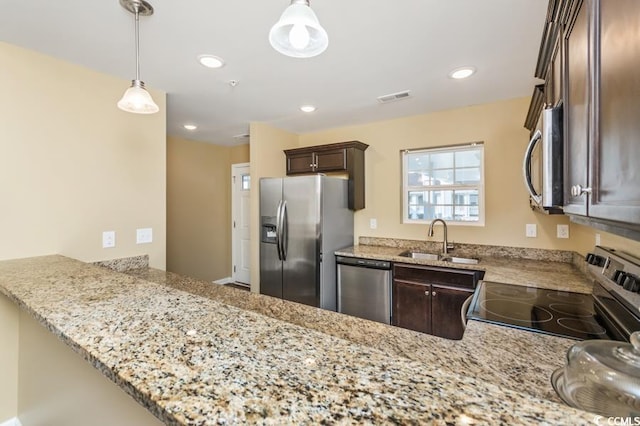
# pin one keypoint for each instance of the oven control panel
(618, 272)
(612, 269)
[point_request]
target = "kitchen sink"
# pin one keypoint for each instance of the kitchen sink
(455, 259)
(420, 255)
(441, 257)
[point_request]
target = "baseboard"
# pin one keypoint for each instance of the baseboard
(11, 422)
(221, 281)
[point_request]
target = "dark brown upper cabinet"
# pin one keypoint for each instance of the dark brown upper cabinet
(549, 66)
(589, 57)
(603, 98)
(336, 157)
(614, 175)
(578, 63)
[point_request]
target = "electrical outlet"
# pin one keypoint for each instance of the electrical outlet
(144, 235)
(531, 230)
(562, 231)
(597, 239)
(108, 239)
(373, 223)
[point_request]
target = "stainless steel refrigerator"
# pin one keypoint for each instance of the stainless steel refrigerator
(303, 220)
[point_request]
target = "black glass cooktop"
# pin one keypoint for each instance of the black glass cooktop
(559, 313)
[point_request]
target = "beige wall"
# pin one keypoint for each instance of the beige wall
(240, 154)
(199, 207)
(499, 125)
(8, 358)
(268, 160)
(58, 387)
(584, 240)
(72, 166)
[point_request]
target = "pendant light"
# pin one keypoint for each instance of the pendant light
(298, 33)
(136, 99)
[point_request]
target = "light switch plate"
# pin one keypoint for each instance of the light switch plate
(531, 230)
(373, 223)
(144, 235)
(562, 231)
(108, 239)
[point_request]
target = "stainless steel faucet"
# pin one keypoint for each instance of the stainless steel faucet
(445, 244)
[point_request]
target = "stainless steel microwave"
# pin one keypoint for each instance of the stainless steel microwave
(543, 163)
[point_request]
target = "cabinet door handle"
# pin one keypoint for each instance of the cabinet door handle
(433, 293)
(578, 190)
(426, 293)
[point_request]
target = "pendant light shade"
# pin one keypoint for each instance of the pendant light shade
(136, 99)
(298, 33)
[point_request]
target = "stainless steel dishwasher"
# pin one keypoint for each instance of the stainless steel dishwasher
(364, 288)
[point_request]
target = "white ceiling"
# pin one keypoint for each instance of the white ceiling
(376, 47)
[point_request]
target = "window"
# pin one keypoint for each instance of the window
(444, 183)
(246, 182)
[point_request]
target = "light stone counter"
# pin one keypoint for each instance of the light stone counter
(550, 269)
(508, 357)
(199, 360)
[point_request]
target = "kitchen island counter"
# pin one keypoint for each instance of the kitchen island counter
(511, 358)
(191, 358)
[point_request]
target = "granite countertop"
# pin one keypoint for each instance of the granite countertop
(526, 359)
(550, 269)
(192, 359)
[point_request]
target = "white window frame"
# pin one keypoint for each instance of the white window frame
(480, 186)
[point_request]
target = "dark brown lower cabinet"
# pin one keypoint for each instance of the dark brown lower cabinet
(429, 299)
(412, 306)
(446, 319)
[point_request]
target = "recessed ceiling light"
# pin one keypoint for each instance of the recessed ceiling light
(190, 126)
(463, 72)
(307, 108)
(211, 61)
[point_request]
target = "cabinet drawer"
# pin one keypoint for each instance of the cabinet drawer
(463, 278)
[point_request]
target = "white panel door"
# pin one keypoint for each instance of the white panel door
(240, 238)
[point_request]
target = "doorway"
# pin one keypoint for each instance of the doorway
(240, 236)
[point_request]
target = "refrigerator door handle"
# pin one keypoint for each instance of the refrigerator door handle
(279, 230)
(284, 231)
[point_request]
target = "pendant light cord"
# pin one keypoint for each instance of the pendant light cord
(137, 43)
(136, 98)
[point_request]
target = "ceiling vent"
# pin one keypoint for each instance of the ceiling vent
(394, 97)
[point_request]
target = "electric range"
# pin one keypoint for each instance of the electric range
(611, 312)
